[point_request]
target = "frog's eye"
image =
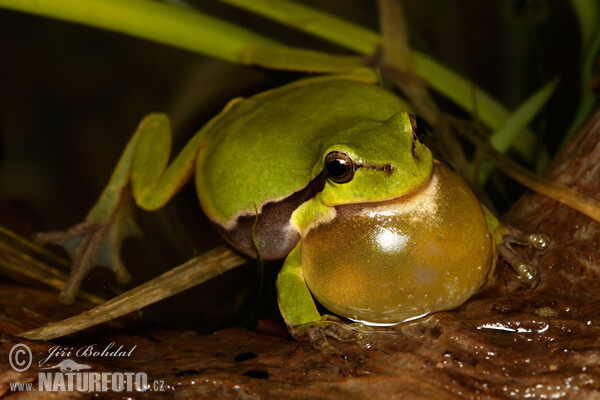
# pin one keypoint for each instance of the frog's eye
(339, 167)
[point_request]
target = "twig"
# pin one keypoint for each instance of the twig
(398, 66)
(199, 269)
(24, 260)
(556, 191)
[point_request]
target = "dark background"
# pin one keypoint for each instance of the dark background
(70, 97)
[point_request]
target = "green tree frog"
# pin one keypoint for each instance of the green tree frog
(329, 174)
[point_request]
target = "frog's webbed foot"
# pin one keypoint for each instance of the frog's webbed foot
(511, 236)
(94, 243)
(318, 333)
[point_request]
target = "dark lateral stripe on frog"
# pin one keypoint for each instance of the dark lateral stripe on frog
(275, 234)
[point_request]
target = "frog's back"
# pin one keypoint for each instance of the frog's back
(266, 151)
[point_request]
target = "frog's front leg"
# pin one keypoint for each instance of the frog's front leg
(505, 236)
(300, 312)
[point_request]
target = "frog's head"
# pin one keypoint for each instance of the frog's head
(374, 161)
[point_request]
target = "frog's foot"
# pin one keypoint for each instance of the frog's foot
(330, 326)
(511, 236)
(92, 244)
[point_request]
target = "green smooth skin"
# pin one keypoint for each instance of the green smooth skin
(267, 147)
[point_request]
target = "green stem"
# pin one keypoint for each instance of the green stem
(292, 59)
(553, 190)
(317, 23)
(163, 23)
(586, 12)
(588, 15)
(199, 269)
(505, 135)
(458, 89)
(187, 29)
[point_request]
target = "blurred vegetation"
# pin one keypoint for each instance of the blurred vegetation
(72, 94)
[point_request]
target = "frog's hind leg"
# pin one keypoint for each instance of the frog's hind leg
(142, 174)
(506, 237)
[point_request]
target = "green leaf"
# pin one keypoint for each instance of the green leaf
(291, 59)
(169, 24)
(588, 14)
(315, 22)
(503, 137)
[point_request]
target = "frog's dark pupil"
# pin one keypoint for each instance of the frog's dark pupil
(339, 167)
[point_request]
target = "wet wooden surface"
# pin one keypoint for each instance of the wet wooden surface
(507, 342)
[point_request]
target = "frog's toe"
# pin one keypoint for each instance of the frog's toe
(527, 273)
(318, 339)
(69, 238)
(348, 332)
(538, 240)
(512, 236)
(91, 244)
(122, 275)
(83, 242)
(331, 327)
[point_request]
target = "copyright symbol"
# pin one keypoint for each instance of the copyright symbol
(20, 357)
